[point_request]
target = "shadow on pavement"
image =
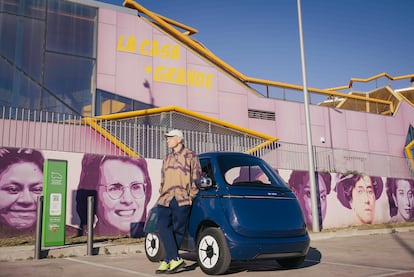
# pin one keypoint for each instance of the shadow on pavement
(312, 258)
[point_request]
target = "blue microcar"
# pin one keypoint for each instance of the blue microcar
(244, 211)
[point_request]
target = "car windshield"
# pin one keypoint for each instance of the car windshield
(249, 171)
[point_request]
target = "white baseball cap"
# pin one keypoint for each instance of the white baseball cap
(174, 132)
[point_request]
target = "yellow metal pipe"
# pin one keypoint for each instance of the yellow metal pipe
(180, 36)
(190, 30)
(331, 93)
(384, 74)
(409, 155)
(187, 112)
(407, 149)
(92, 122)
(262, 145)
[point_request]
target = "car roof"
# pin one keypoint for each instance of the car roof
(219, 153)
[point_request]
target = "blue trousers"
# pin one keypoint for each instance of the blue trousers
(171, 225)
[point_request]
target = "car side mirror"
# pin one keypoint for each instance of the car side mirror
(204, 182)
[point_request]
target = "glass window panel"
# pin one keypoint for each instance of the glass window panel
(6, 83)
(8, 28)
(27, 94)
(70, 78)
(109, 103)
(71, 28)
(52, 104)
(32, 8)
(16, 89)
(32, 48)
(141, 106)
(22, 43)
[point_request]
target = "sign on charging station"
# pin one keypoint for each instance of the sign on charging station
(54, 195)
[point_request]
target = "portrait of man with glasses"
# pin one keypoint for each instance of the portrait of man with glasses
(122, 190)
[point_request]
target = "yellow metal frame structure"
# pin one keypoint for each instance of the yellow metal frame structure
(409, 154)
(167, 23)
(93, 123)
(372, 78)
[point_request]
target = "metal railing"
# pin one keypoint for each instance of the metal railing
(133, 136)
(294, 157)
(143, 136)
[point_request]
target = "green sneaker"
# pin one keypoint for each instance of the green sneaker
(175, 265)
(163, 268)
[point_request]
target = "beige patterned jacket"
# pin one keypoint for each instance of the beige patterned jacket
(179, 172)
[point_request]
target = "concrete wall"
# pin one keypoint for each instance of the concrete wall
(335, 214)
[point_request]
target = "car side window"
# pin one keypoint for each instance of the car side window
(207, 169)
(247, 174)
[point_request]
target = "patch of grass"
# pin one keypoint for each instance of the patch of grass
(17, 241)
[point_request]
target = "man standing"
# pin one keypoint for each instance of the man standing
(180, 169)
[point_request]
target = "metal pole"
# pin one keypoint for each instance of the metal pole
(315, 213)
(39, 213)
(90, 225)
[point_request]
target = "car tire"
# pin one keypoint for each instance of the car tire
(291, 262)
(154, 249)
(213, 255)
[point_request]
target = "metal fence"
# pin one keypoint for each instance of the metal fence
(141, 136)
(295, 157)
(144, 136)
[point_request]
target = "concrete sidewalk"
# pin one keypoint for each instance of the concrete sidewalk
(19, 253)
(27, 252)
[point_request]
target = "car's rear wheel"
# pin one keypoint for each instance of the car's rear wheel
(154, 249)
(213, 254)
(291, 262)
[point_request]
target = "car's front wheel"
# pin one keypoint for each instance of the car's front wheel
(213, 254)
(154, 249)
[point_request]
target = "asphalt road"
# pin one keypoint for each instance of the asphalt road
(390, 254)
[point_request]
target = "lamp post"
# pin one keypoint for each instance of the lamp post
(315, 210)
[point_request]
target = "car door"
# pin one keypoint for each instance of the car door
(259, 204)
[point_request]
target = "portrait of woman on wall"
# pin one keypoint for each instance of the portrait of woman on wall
(359, 193)
(400, 194)
(21, 182)
(122, 190)
(300, 184)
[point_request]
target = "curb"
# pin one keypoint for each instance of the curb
(356, 232)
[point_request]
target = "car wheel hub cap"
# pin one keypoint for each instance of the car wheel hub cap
(151, 245)
(208, 252)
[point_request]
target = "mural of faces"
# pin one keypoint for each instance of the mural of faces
(359, 193)
(21, 182)
(122, 188)
(122, 196)
(300, 184)
(363, 200)
(401, 199)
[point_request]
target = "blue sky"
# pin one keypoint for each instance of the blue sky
(342, 38)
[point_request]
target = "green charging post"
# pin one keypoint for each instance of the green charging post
(54, 194)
